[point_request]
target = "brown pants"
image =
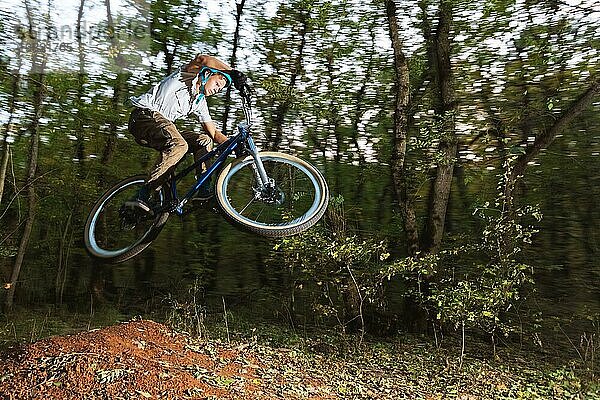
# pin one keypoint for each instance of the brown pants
(151, 129)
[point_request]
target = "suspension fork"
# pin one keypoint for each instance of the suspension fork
(259, 168)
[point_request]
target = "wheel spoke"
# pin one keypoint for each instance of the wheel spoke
(247, 205)
(259, 213)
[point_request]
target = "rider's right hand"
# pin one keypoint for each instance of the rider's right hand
(220, 138)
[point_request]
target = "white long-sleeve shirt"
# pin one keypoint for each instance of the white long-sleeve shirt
(175, 97)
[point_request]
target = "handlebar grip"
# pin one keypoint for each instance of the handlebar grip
(246, 92)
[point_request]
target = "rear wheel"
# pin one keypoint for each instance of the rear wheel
(294, 201)
(114, 233)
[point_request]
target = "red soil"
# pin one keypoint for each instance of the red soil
(144, 359)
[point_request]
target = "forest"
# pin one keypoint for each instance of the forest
(460, 141)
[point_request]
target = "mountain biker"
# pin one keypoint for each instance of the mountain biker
(178, 95)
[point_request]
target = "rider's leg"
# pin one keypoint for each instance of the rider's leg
(151, 129)
(170, 155)
(200, 145)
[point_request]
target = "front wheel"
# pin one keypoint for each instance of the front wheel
(295, 199)
(114, 233)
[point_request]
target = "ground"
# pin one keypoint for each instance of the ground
(144, 359)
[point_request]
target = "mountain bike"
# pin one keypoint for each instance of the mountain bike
(268, 193)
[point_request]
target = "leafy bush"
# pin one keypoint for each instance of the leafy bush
(473, 285)
(340, 263)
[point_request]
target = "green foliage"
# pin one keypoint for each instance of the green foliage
(337, 260)
(173, 24)
(476, 284)
(278, 90)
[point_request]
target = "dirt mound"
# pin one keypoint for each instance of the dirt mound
(144, 359)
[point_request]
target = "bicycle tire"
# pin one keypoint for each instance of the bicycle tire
(226, 191)
(92, 245)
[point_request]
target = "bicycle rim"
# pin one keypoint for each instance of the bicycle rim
(296, 202)
(112, 230)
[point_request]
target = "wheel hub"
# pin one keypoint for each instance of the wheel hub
(271, 195)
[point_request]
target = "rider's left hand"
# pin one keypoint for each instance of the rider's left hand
(240, 82)
(239, 79)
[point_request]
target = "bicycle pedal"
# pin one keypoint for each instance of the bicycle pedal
(138, 206)
(200, 200)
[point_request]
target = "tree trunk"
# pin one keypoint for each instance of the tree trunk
(354, 138)
(65, 241)
(353, 317)
(11, 112)
(358, 112)
(118, 83)
(401, 133)
(39, 64)
(445, 107)
(284, 107)
(100, 273)
(64, 250)
(79, 145)
(233, 62)
(544, 140)
(334, 113)
(118, 88)
(5, 157)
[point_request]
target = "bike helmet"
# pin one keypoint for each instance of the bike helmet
(206, 72)
(232, 77)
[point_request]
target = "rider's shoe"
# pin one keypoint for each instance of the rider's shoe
(140, 202)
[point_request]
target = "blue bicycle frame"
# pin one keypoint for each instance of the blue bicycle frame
(223, 150)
